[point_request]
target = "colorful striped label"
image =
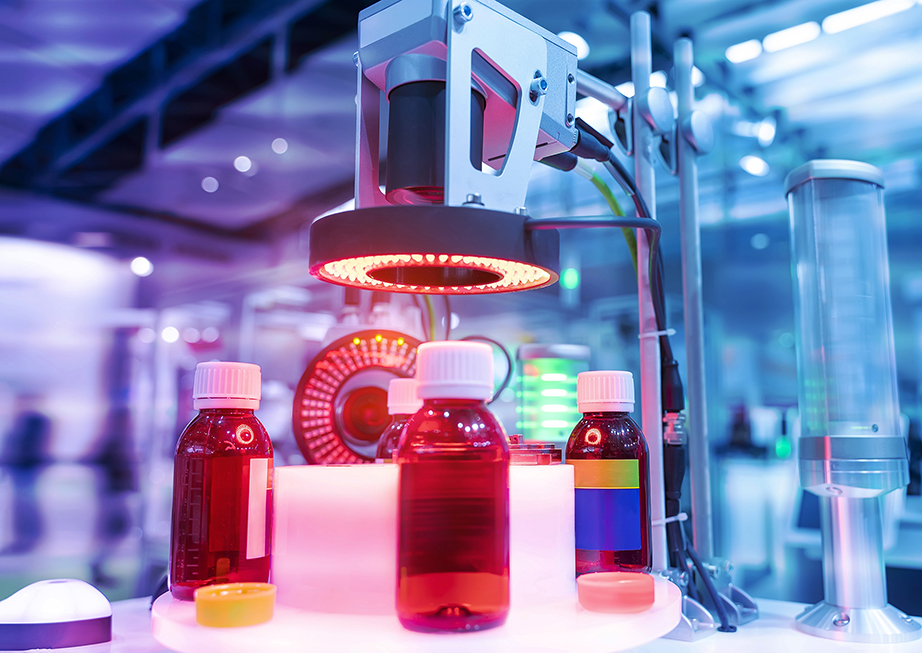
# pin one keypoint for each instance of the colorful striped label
(607, 504)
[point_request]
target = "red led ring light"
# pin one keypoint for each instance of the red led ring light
(332, 382)
(446, 250)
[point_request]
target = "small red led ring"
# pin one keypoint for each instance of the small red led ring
(245, 435)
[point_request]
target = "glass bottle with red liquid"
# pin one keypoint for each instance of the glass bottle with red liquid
(222, 484)
(611, 468)
(453, 511)
(402, 404)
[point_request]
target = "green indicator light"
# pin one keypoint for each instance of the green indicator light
(356, 341)
(783, 447)
(569, 278)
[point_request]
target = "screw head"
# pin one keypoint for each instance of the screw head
(841, 621)
(569, 118)
(538, 87)
(464, 13)
(520, 210)
(571, 78)
(474, 198)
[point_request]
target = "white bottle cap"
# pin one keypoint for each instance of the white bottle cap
(452, 369)
(226, 385)
(605, 392)
(402, 398)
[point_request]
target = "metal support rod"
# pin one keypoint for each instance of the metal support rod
(650, 373)
(604, 92)
(687, 165)
(852, 532)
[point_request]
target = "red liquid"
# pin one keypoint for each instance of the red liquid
(453, 537)
(222, 480)
(614, 436)
(390, 439)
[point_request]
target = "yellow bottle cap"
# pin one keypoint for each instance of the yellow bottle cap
(234, 604)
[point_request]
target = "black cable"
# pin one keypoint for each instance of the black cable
(725, 625)
(510, 367)
(672, 391)
(652, 227)
(447, 317)
(422, 318)
(590, 144)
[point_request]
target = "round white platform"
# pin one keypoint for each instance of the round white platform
(564, 626)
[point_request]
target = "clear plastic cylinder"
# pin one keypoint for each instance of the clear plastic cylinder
(851, 450)
(850, 430)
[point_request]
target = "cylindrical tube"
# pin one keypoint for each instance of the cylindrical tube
(851, 450)
(851, 443)
(604, 92)
(416, 130)
(650, 373)
(698, 448)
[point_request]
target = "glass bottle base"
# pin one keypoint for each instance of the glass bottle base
(452, 619)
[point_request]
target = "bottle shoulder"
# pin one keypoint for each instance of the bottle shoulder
(603, 437)
(225, 433)
(466, 425)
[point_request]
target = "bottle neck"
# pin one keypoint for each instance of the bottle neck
(235, 411)
(606, 414)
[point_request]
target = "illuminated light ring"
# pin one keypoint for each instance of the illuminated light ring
(313, 421)
(433, 249)
(512, 275)
(244, 435)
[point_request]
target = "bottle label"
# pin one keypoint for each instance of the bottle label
(607, 504)
(257, 506)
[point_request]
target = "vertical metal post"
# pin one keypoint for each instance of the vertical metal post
(650, 373)
(687, 165)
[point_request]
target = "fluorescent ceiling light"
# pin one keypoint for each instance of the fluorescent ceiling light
(766, 131)
(243, 163)
(170, 334)
(141, 266)
(754, 165)
(864, 14)
(578, 42)
(788, 38)
(744, 51)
